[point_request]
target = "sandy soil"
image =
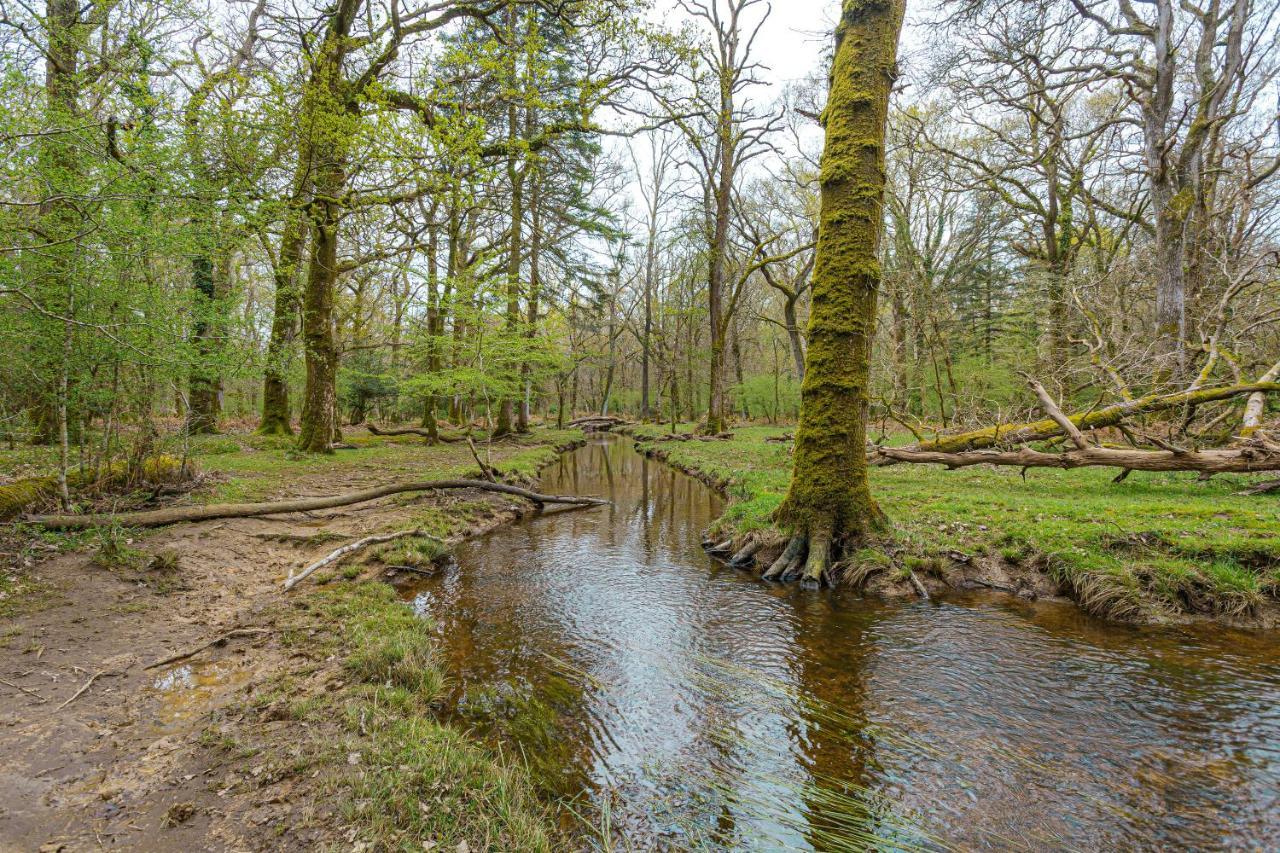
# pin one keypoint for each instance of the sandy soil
(97, 750)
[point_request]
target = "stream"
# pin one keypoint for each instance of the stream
(676, 703)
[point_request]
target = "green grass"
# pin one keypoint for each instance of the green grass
(407, 780)
(264, 465)
(1152, 543)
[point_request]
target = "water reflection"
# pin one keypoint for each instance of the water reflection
(699, 708)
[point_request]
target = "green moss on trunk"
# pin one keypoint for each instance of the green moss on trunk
(829, 492)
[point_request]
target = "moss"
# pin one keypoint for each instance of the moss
(162, 468)
(829, 489)
(16, 497)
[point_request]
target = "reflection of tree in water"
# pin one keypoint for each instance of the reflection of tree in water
(711, 712)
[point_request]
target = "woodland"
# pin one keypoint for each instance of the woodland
(255, 254)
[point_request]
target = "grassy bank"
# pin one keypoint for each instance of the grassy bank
(383, 773)
(1153, 546)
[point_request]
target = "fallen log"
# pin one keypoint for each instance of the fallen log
(1108, 416)
(438, 436)
(1248, 457)
(175, 515)
(1242, 460)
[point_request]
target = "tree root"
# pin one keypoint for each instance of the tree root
(784, 568)
(746, 555)
(819, 559)
(720, 549)
(175, 515)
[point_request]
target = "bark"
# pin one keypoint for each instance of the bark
(329, 107)
(829, 497)
(1256, 403)
(1256, 455)
(175, 515)
(1243, 460)
(204, 386)
(284, 319)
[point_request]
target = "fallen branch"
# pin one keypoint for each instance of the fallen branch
(1243, 460)
(406, 431)
(1108, 416)
(82, 689)
(1249, 456)
(175, 515)
(349, 549)
(485, 468)
(216, 641)
(24, 690)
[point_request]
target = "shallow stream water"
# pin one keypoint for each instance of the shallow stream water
(677, 703)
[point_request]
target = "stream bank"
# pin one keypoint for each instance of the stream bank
(1154, 549)
(682, 704)
(270, 740)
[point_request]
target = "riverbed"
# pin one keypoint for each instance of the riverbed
(672, 702)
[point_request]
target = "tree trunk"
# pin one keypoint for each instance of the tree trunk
(329, 111)
(829, 500)
(284, 319)
(320, 396)
(203, 385)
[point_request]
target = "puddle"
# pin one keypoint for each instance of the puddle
(188, 690)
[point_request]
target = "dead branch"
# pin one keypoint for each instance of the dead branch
(349, 549)
(82, 689)
(1250, 456)
(439, 436)
(24, 690)
(1108, 416)
(485, 468)
(216, 641)
(1241, 460)
(175, 515)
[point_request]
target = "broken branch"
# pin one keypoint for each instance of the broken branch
(349, 549)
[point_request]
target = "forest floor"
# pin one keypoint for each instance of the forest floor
(312, 725)
(1153, 548)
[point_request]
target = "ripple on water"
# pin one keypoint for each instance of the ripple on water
(699, 707)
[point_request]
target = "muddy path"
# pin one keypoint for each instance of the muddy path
(98, 750)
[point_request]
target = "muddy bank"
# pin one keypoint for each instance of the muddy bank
(887, 572)
(235, 747)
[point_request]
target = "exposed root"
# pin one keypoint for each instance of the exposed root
(819, 560)
(788, 562)
(746, 555)
(721, 549)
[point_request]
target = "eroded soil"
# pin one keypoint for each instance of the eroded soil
(168, 757)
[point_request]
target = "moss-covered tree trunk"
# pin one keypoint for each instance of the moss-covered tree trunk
(829, 502)
(204, 407)
(331, 117)
(284, 319)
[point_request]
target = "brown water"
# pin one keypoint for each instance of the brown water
(686, 705)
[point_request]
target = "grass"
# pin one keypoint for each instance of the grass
(1147, 546)
(262, 466)
(406, 780)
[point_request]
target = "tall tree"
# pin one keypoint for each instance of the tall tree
(829, 503)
